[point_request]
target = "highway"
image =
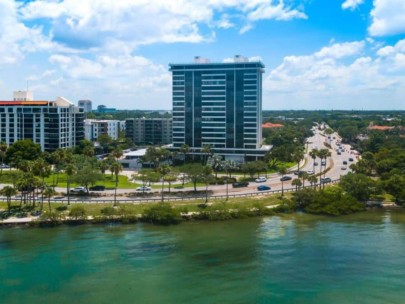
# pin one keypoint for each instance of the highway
(334, 165)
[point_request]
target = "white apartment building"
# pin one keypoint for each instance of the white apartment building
(93, 128)
(52, 124)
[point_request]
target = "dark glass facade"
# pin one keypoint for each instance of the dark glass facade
(217, 104)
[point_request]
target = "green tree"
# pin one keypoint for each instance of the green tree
(48, 193)
(8, 192)
(22, 150)
(116, 168)
(206, 174)
(86, 176)
(3, 150)
(298, 155)
(206, 150)
(163, 170)
(314, 154)
(184, 149)
(395, 186)
(194, 172)
(297, 183)
(313, 180)
(70, 170)
(282, 170)
(359, 186)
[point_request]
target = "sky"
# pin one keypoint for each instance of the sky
(319, 54)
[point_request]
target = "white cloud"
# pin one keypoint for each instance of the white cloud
(351, 4)
(340, 50)
(333, 79)
(388, 18)
(115, 80)
(275, 12)
(94, 24)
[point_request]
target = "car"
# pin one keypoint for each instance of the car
(339, 153)
(78, 190)
(97, 188)
(351, 159)
(285, 178)
(143, 188)
(316, 164)
(343, 168)
(297, 172)
(325, 180)
(310, 172)
(260, 179)
(4, 166)
(323, 162)
(344, 162)
(263, 188)
(240, 184)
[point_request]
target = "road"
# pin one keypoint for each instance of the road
(334, 164)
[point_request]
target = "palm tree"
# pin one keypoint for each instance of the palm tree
(42, 169)
(206, 173)
(88, 151)
(216, 161)
(297, 183)
(297, 155)
(304, 175)
(70, 170)
(314, 154)
(103, 166)
(313, 180)
(117, 153)
(163, 170)
(323, 155)
(283, 171)
(8, 191)
(116, 168)
(206, 150)
(184, 149)
(48, 193)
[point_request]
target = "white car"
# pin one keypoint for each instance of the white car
(143, 188)
(261, 179)
(310, 172)
(78, 190)
(344, 168)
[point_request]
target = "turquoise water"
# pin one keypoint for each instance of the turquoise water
(283, 259)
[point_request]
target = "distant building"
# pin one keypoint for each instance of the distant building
(94, 128)
(52, 124)
(220, 105)
(86, 105)
(149, 131)
(104, 109)
(23, 96)
(372, 127)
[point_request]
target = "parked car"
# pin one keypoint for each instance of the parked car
(143, 188)
(4, 166)
(351, 159)
(323, 162)
(285, 178)
(343, 168)
(240, 184)
(310, 172)
(344, 162)
(316, 164)
(78, 190)
(263, 188)
(261, 179)
(325, 180)
(339, 153)
(97, 188)
(297, 172)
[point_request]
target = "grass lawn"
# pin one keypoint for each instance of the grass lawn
(94, 209)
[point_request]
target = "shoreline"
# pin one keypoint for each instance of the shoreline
(35, 221)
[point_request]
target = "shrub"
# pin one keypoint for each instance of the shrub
(163, 214)
(78, 213)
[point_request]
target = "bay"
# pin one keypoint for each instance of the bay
(294, 258)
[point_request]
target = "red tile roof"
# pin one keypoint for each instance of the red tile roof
(270, 125)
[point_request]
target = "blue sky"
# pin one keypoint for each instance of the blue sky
(319, 54)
